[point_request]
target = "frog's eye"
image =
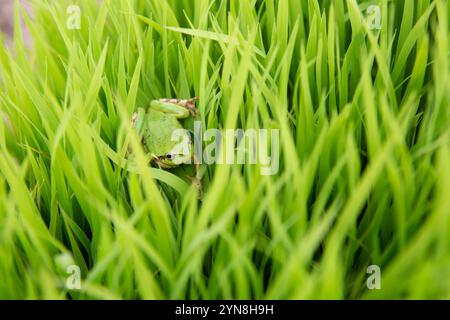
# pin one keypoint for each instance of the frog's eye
(169, 156)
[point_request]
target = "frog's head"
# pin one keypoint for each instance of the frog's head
(172, 160)
(180, 154)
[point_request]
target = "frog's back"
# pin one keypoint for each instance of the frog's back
(159, 132)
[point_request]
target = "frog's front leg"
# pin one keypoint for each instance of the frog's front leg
(138, 120)
(180, 108)
(138, 123)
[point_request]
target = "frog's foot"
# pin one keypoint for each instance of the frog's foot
(134, 117)
(185, 103)
(155, 158)
(133, 123)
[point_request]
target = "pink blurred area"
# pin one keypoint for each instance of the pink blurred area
(7, 19)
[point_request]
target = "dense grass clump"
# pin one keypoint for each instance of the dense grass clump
(364, 177)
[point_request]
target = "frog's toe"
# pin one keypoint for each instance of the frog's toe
(133, 119)
(192, 108)
(190, 103)
(154, 158)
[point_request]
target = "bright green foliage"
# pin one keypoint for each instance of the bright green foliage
(364, 179)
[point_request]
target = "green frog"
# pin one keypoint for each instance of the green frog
(163, 135)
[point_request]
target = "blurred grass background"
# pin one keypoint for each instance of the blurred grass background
(7, 20)
(364, 174)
